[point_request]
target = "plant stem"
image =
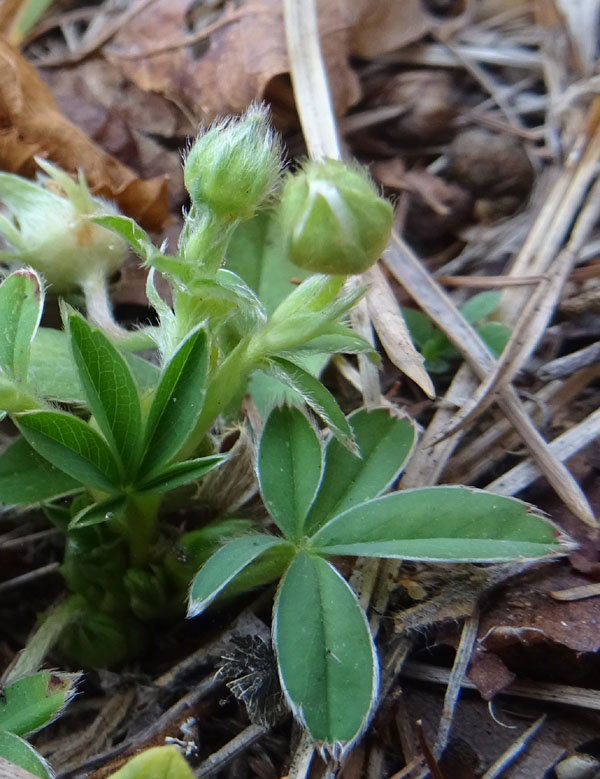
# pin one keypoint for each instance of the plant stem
(139, 525)
(98, 305)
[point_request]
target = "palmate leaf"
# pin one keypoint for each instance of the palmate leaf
(325, 653)
(177, 402)
(225, 565)
(26, 477)
(385, 443)
(315, 395)
(110, 391)
(443, 524)
(72, 446)
(21, 304)
(289, 468)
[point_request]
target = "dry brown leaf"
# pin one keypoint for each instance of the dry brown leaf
(246, 49)
(383, 25)
(243, 56)
(32, 124)
(527, 614)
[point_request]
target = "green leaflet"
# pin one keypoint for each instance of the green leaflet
(18, 752)
(21, 304)
(223, 567)
(289, 468)
(439, 523)
(385, 443)
(110, 390)
(52, 370)
(177, 401)
(178, 474)
(33, 702)
(256, 253)
(98, 512)
(70, 444)
(327, 661)
(315, 395)
(26, 477)
(129, 229)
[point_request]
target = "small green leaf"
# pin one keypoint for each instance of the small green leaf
(21, 304)
(71, 445)
(129, 229)
(177, 402)
(481, 305)
(496, 336)
(20, 753)
(52, 370)
(289, 468)
(439, 523)
(327, 661)
(314, 395)
(98, 512)
(256, 254)
(156, 763)
(420, 327)
(110, 391)
(26, 477)
(337, 339)
(178, 474)
(223, 567)
(245, 298)
(35, 701)
(385, 443)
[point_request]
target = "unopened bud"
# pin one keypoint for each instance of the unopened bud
(51, 231)
(234, 166)
(332, 218)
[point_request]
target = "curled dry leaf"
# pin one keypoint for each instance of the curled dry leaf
(244, 50)
(32, 124)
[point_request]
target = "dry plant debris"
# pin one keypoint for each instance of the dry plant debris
(479, 119)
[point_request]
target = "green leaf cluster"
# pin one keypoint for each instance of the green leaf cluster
(434, 344)
(327, 501)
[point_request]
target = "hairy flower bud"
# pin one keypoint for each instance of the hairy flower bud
(234, 166)
(51, 230)
(332, 218)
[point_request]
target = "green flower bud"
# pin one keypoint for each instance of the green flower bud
(234, 166)
(52, 232)
(333, 220)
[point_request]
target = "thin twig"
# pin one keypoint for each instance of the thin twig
(538, 691)
(515, 749)
(302, 758)
(30, 538)
(30, 576)
(232, 749)
(563, 447)
(464, 652)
